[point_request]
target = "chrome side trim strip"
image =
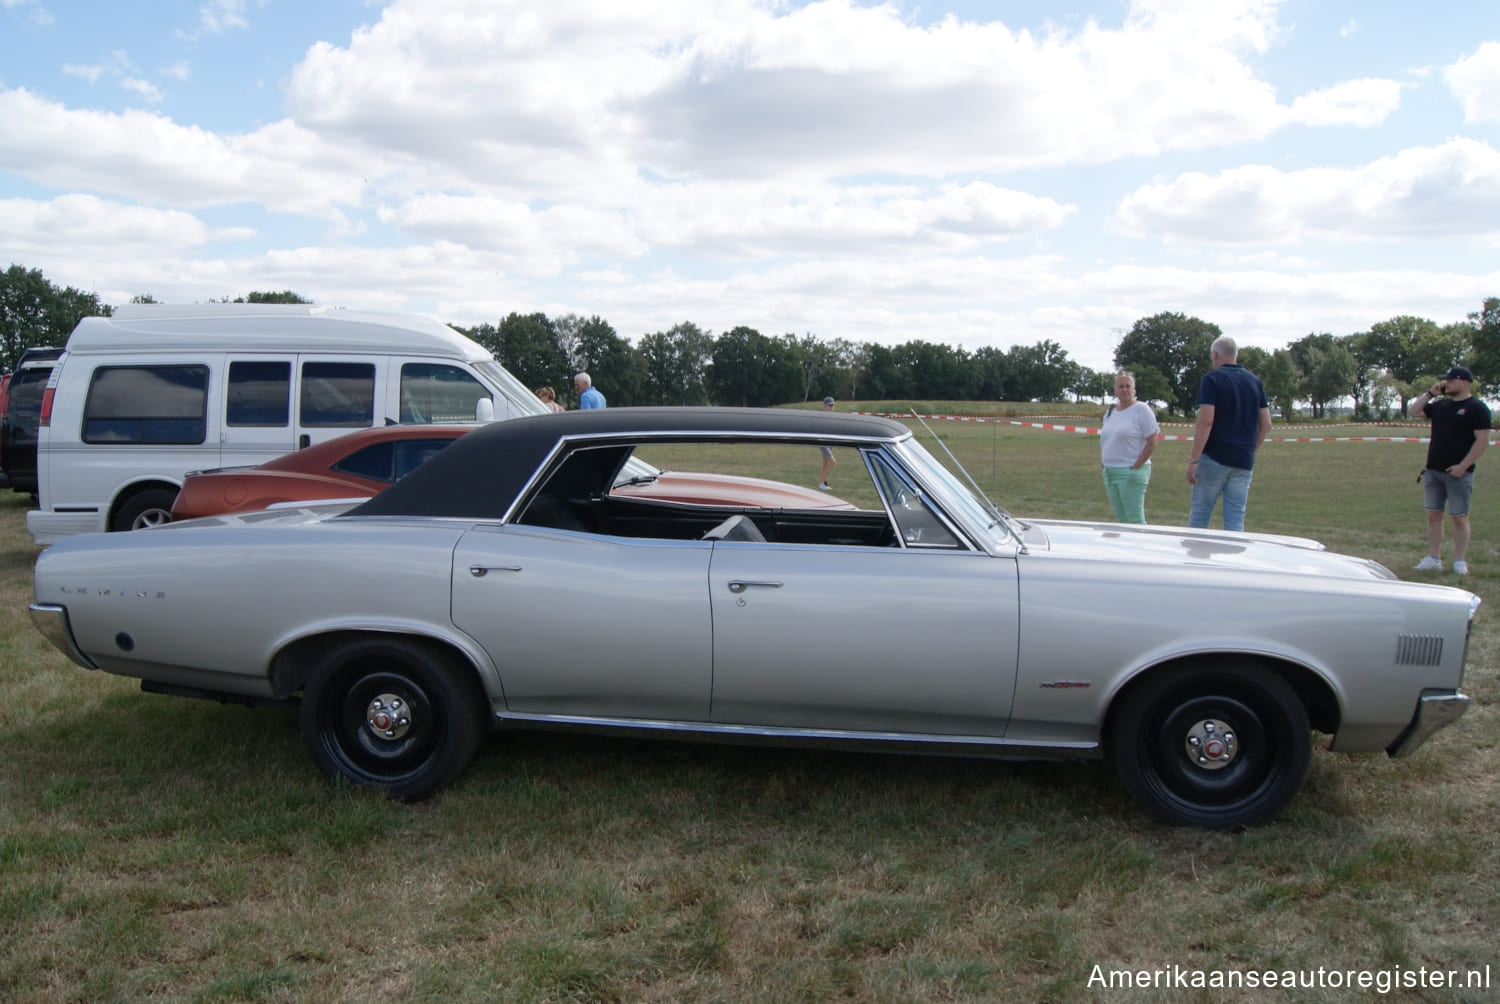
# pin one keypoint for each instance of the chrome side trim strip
(970, 745)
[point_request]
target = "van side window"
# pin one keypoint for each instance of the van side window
(434, 392)
(146, 404)
(340, 395)
(259, 393)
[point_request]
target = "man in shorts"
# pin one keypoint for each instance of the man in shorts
(828, 460)
(1460, 433)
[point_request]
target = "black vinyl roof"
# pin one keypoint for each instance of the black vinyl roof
(480, 475)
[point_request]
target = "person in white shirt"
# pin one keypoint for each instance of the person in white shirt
(1126, 439)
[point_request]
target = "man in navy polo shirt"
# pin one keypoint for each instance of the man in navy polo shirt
(1233, 419)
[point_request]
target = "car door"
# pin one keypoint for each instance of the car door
(258, 397)
(919, 638)
(336, 394)
(588, 625)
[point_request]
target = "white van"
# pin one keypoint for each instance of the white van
(141, 398)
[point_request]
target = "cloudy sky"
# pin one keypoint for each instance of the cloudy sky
(962, 172)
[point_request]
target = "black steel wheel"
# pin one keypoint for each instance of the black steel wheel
(151, 507)
(1218, 746)
(393, 713)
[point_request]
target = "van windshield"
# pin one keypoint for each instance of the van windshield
(519, 399)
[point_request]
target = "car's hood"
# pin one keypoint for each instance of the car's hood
(1176, 545)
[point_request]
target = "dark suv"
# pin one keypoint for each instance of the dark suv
(22, 415)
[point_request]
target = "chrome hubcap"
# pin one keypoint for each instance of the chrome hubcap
(388, 716)
(1211, 744)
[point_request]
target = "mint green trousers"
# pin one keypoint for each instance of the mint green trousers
(1126, 488)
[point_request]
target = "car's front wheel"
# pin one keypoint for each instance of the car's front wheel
(1221, 746)
(394, 714)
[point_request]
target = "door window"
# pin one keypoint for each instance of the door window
(337, 395)
(436, 392)
(259, 394)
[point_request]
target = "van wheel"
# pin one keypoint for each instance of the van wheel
(152, 507)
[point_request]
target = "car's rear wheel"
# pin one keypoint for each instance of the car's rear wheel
(151, 507)
(1221, 746)
(394, 714)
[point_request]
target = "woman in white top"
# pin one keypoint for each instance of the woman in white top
(1126, 440)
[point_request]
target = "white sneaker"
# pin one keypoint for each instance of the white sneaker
(824, 487)
(1460, 568)
(1430, 564)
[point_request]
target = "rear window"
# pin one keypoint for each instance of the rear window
(26, 392)
(146, 404)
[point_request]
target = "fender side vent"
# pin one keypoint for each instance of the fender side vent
(1419, 649)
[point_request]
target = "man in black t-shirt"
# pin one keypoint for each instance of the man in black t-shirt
(1460, 433)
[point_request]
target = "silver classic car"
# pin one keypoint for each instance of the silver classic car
(514, 581)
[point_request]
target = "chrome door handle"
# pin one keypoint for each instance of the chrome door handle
(740, 585)
(479, 571)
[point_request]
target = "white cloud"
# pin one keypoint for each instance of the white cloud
(219, 16)
(1431, 193)
(738, 89)
(107, 227)
(1476, 81)
(34, 11)
(145, 156)
(1355, 102)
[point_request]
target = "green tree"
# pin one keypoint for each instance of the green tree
(1043, 372)
(1392, 345)
(1149, 385)
(526, 344)
(751, 370)
(33, 312)
(1484, 347)
(674, 363)
(1174, 345)
(1330, 375)
(616, 368)
(995, 373)
(1282, 381)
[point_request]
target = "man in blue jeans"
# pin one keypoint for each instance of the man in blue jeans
(1233, 419)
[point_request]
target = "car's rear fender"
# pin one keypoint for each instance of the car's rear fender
(295, 660)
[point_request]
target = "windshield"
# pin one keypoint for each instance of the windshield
(518, 400)
(955, 496)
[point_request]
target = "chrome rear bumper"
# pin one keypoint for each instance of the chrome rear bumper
(1436, 709)
(52, 621)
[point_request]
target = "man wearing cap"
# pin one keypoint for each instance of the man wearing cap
(828, 460)
(1460, 433)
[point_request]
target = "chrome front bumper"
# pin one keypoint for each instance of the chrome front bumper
(52, 621)
(1436, 709)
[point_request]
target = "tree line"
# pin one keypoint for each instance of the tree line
(1380, 370)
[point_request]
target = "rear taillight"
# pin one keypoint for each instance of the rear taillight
(46, 418)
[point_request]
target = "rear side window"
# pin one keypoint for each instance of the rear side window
(435, 392)
(259, 394)
(390, 461)
(146, 404)
(338, 395)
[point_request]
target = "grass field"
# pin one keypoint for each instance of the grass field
(158, 848)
